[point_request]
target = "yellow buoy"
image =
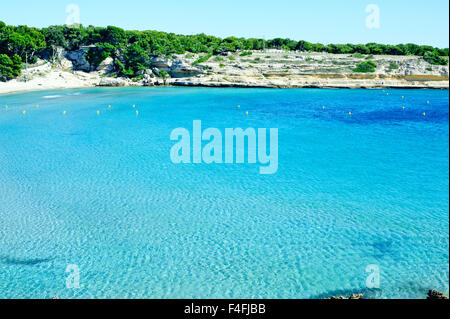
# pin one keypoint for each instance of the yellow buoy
(137, 112)
(403, 97)
(403, 107)
(37, 106)
(6, 106)
(323, 107)
(350, 113)
(424, 113)
(64, 112)
(98, 112)
(246, 113)
(24, 112)
(239, 106)
(109, 106)
(428, 102)
(134, 105)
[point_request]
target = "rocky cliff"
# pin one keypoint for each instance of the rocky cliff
(271, 69)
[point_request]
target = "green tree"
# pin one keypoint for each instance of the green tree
(10, 68)
(434, 58)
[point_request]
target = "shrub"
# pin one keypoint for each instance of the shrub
(246, 53)
(358, 55)
(96, 56)
(10, 68)
(365, 67)
(203, 58)
(434, 58)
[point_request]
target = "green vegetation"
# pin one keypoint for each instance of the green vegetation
(358, 55)
(246, 53)
(392, 66)
(218, 59)
(370, 56)
(366, 67)
(429, 68)
(203, 58)
(231, 58)
(132, 51)
(9, 68)
(222, 65)
(434, 58)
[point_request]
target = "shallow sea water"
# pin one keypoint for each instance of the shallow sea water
(100, 192)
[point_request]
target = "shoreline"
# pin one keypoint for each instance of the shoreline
(276, 69)
(21, 87)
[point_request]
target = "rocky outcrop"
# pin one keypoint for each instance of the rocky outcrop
(106, 66)
(435, 294)
(161, 63)
(354, 296)
(181, 69)
(79, 60)
(114, 82)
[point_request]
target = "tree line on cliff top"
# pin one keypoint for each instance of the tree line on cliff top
(132, 49)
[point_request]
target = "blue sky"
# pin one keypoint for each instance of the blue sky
(325, 21)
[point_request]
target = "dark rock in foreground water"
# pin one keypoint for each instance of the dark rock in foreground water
(435, 294)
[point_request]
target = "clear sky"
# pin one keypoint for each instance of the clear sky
(324, 21)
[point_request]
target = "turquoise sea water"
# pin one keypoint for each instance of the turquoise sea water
(100, 192)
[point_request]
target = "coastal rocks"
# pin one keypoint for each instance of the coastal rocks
(113, 82)
(161, 63)
(148, 72)
(435, 294)
(106, 66)
(180, 69)
(79, 60)
(354, 297)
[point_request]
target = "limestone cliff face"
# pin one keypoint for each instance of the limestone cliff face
(271, 69)
(295, 69)
(79, 60)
